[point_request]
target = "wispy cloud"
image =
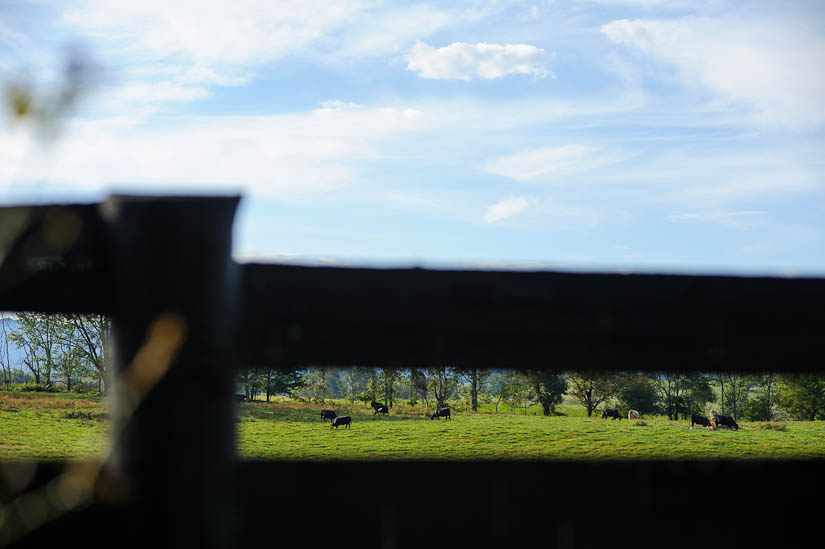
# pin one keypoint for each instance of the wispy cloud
(770, 66)
(544, 163)
(143, 92)
(267, 155)
(504, 209)
(732, 220)
(463, 61)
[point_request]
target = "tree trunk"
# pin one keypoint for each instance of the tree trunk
(474, 389)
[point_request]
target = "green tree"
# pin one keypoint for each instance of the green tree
(761, 407)
(38, 335)
(682, 393)
(548, 388)
(316, 383)
(421, 385)
(373, 387)
(252, 381)
(639, 393)
(5, 355)
(443, 382)
(355, 382)
(803, 395)
(388, 379)
(91, 338)
(734, 389)
(592, 388)
(475, 378)
(498, 386)
(282, 381)
(519, 392)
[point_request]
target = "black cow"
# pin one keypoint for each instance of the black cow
(328, 415)
(699, 420)
(609, 412)
(343, 420)
(726, 421)
(443, 412)
(379, 408)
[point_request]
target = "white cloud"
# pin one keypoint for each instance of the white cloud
(143, 92)
(390, 30)
(733, 219)
(212, 32)
(504, 209)
(465, 61)
(773, 67)
(265, 155)
(544, 163)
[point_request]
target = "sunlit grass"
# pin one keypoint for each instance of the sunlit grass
(270, 431)
(52, 427)
(46, 427)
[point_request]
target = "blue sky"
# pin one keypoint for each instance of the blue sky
(606, 135)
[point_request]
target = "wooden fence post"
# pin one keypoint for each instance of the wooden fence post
(176, 448)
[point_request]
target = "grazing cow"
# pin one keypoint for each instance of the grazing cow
(726, 421)
(443, 412)
(632, 414)
(609, 412)
(328, 415)
(343, 420)
(379, 408)
(699, 420)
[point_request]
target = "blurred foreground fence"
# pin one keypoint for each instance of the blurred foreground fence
(185, 315)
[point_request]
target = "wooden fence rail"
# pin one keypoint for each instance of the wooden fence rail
(139, 258)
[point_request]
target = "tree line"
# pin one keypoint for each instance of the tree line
(676, 395)
(70, 352)
(55, 351)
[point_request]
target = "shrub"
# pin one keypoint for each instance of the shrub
(755, 409)
(638, 394)
(90, 416)
(781, 415)
(30, 387)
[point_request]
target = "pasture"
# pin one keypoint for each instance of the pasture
(45, 427)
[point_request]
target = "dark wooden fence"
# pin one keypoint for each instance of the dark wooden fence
(174, 464)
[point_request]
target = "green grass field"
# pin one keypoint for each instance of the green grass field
(34, 426)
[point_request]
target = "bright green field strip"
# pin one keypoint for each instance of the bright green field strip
(53, 427)
(266, 433)
(45, 435)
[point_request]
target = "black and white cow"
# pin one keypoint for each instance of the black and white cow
(442, 412)
(699, 420)
(343, 420)
(328, 415)
(610, 412)
(379, 408)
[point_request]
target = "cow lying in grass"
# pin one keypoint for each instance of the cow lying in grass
(699, 420)
(609, 412)
(443, 412)
(328, 415)
(343, 420)
(379, 408)
(632, 414)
